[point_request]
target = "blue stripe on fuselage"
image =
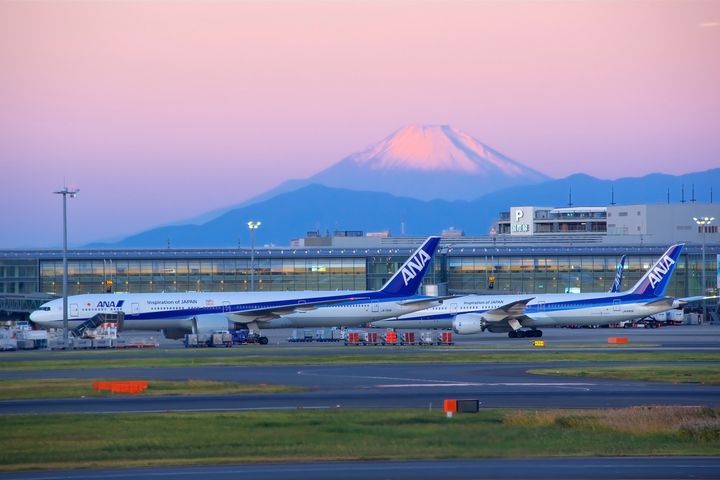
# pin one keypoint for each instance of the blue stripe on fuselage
(242, 307)
(546, 307)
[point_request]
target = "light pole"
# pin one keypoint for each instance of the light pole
(73, 193)
(703, 222)
(252, 225)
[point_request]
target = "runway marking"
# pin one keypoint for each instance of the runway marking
(371, 377)
(249, 470)
(580, 386)
(196, 410)
(433, 383)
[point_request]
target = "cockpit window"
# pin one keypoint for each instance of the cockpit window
(44, 309)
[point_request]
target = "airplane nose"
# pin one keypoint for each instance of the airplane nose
(36, 316)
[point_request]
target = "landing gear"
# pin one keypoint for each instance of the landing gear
(525, 333)
(260, 338)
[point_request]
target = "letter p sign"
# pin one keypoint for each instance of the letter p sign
(518, 214)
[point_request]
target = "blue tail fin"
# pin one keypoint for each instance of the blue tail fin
(656, 279)
(406, 280)
(617, 284)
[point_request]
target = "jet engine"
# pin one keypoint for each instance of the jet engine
(175, 333)
(468, 324)
(208, 324)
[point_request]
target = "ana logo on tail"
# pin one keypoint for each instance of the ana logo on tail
(659, 270)
(414, 266)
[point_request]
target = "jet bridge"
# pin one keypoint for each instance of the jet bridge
(23, 303)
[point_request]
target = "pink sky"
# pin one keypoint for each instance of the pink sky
(161, 111)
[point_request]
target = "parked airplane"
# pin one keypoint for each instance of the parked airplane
(206, 312)
(620, 270)
(521, 315)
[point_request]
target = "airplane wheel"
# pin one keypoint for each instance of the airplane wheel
(512, 334)
(263, 340)
(520, 334)
(538, 333)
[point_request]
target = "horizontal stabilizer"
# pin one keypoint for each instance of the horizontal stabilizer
(681, 302)
(699, 298)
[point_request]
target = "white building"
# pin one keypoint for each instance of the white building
(614, 224)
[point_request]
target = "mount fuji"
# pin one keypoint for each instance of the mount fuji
(425, 177)
(424, 162)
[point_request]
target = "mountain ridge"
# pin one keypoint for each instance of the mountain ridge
(317, 207)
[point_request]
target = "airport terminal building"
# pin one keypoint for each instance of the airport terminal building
(532, 250)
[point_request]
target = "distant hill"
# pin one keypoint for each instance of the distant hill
(315, 207)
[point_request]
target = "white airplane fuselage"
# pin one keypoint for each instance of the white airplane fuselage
(214, 311)
(143, 311)
(509, 313)
(544, 310)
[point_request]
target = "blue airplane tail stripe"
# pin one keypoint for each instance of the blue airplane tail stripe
(407, 279)
(656, 279)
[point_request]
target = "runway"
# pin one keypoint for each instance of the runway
(677, 338)
(396, 385)
(536, 468)
(373, 386)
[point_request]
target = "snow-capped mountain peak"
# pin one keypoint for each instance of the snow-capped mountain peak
(436, 148)
(428, 161)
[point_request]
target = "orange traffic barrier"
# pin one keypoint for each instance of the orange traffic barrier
(102, 385)
(450, 407)
(131, 387)
(617, 340)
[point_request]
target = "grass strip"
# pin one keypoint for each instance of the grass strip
(696, 373)
(189, 359)
(71, 441)
(17, 389)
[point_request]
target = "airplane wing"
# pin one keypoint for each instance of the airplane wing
(428, 300)
(270, 313)
(508, 311)
(276, 311)
(503, 318)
